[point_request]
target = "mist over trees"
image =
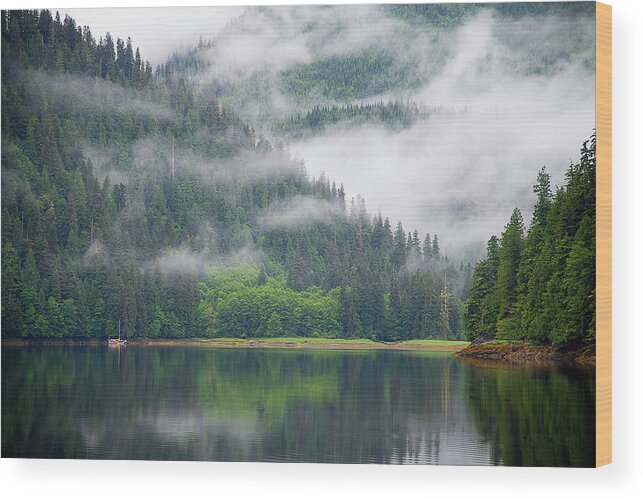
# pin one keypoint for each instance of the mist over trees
(191, 223)
(312, 77)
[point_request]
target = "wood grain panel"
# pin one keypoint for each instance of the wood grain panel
(603, 234)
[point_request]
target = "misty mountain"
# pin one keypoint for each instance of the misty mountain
(146, 199)
(141, 200)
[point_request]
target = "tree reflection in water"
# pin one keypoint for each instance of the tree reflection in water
(293, 405)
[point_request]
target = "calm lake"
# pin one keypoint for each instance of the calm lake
(292, 405)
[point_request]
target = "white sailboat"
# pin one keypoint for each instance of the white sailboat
(117, 342)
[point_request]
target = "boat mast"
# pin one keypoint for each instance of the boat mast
(119, 330)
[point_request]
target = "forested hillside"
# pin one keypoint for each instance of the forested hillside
(315, 57)
(138, 199)
(541, 286)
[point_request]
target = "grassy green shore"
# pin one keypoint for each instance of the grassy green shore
(299, 342)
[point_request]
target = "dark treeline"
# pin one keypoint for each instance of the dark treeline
(181, 223)
(541, 286)
(344, 78)
(394, 115)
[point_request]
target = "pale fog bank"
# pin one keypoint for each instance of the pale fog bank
(460, 174)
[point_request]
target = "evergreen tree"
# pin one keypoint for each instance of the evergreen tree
(506, 287)
(435, 248)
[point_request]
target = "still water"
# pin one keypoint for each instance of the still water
(292, 405)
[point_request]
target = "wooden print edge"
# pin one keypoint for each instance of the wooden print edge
(603, 234)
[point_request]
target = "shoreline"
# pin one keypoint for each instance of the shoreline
(492, 351)
(316, 343)
(518, 352)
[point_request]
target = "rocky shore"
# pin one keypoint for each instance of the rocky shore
(525, 352)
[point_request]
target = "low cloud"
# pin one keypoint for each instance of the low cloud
(155, 154)
(183, 261)
(299, 210)
(95, 254)
(99, 95)
(106, 164)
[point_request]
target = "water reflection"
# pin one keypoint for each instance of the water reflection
(290, 405)
(535, 414)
